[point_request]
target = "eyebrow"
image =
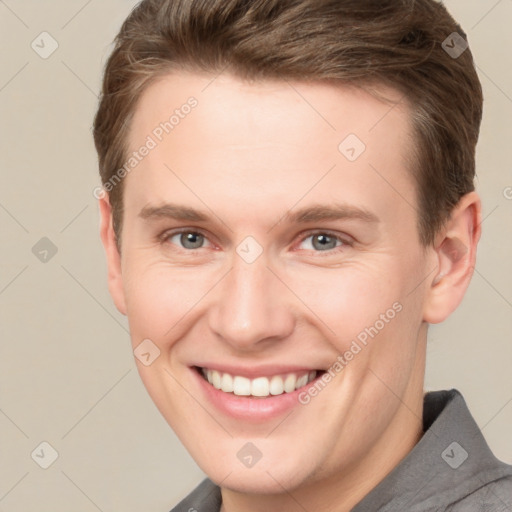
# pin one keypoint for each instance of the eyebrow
(172, 211)
(332, 212)
(305, 215)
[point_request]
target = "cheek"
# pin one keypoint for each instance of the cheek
(349, 298)
(365, 311)
(159, 298)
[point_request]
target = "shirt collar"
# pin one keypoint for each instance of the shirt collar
(450, 461)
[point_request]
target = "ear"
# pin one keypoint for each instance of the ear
(108, 238)
(455, 255)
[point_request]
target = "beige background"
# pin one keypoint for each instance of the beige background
(67, 374)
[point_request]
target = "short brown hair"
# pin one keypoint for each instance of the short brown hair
(396, 43)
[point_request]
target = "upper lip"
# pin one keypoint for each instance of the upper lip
(257, 371)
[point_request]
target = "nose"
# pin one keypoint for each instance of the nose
(252, 308)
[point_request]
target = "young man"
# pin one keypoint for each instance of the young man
(288, 204)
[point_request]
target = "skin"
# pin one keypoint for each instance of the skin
(247, 155)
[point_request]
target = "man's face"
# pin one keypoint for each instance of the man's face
(301, 253)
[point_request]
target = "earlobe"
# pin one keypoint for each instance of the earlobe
(108, 238)
(455, 255)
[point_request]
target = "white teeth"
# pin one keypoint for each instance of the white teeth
(289, 383)
(302, 381)
(227, 383)
(241, 386)
(276, 385)
(260, 386)
(216, 379)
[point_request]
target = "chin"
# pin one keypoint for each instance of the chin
(265, 477)
(256, 482)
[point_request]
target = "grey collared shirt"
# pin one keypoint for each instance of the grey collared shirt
(451, 469)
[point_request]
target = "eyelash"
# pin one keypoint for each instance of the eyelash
(166, 235)
(344, 243)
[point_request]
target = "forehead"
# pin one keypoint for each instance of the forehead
(317, 108)
(268, 141)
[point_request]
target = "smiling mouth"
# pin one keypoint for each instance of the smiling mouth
(259, 387)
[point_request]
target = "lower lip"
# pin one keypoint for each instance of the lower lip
(250, 408)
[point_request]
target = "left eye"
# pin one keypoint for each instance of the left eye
(188, 239)
(321, 242)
